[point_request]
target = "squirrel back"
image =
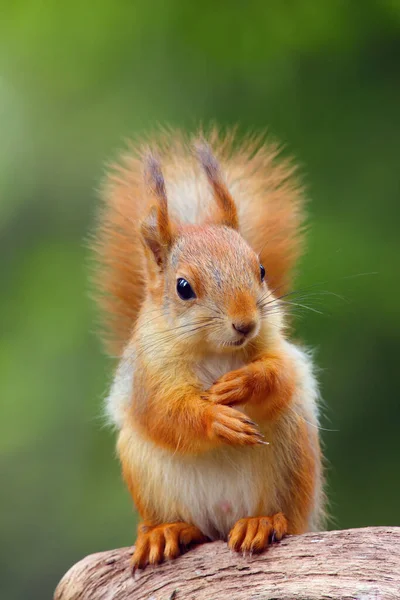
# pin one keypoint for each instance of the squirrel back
(265, 189)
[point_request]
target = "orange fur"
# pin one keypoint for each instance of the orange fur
(305, 477)
(216, 408)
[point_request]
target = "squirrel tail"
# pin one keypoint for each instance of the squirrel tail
(264, 186)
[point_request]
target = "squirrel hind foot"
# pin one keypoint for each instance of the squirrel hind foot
(157, 543)
(255, 534)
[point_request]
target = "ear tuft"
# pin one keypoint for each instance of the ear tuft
(153, 176)
(207, 159)
(222, 195)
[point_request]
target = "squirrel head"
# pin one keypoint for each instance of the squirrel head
(206, 279)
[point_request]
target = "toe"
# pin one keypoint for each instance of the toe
(280, 526)
(157, 545)
(261, 539)
(237, 535)
(252, 528)
(141, 554)
(172, 549)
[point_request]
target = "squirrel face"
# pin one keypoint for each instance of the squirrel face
(214, 285)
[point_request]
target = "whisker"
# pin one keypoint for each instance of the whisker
(314, 285)
(188, 330)
(305, 306)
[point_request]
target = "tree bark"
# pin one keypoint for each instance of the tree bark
(360, 564)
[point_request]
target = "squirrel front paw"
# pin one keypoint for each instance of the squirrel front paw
(235, 387)
(233, 427)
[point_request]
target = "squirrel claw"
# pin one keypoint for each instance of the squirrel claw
(250, 422)
(232, 427)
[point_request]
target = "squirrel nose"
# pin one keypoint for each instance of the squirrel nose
(244, 327)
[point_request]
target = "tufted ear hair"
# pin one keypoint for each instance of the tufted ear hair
(224, 200)
(156, 229)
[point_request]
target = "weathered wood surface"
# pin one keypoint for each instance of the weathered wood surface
(361, 564)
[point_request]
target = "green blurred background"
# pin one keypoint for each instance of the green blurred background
(77, 78)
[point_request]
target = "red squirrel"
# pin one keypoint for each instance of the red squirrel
(216, 409)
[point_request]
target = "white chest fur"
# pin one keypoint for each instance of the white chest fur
(211, 368)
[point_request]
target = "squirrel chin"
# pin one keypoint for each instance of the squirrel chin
(238, 344)
(233, 347)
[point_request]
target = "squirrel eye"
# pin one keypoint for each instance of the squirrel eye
(184, 289)
(262, 273)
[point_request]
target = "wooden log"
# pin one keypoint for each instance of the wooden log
(360, 564)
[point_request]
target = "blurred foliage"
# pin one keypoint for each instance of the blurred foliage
(75, 80)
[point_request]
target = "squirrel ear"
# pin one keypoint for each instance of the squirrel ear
(222, 195)
(152, 237)
(156, 228)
